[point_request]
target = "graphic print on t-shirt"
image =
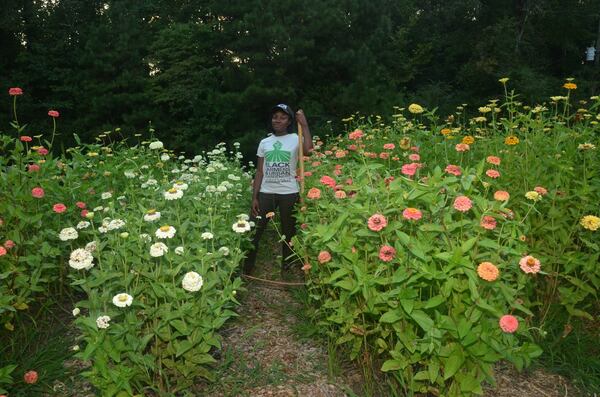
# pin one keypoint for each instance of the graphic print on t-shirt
(277, 164)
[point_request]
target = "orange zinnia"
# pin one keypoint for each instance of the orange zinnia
(487, 271)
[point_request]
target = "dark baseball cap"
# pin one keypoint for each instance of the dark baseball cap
(284, 108)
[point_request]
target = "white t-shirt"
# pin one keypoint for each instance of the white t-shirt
(281, 159)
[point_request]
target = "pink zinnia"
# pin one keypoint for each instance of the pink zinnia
(84, 213)
(30, 377)
(340, 153)
(387, 253)
(33, 168)
(59, 208)
(414, 148)
(328, 152)
(509, 323)
(25, 138)
(80, 204)
(53, 113)
(462, 203)
(352, 147)
(37, 192)
(492, 173)
(462, 147)
(488, 222)
(384, 155)
(2, 251)
(8, 244)
(314, 193)
(389, 146)
(327, 180)
(337, 172)
(324, 257)
(501, 195)
(414, 157)
(349, 181)
(412, 213)
(340, 194)
(307, 173)
(493, 160)
(42, 151)
(530, 264)
(540, 190)
(453, 169)
(14, 91)
(316, 163)
(410, 169)
(356, 134)
(377, 222)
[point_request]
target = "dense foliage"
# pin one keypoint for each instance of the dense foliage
(435, 250)
(205, 71)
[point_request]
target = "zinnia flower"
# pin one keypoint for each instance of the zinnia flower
(173, 194)
(53, 113)
(462, 147)
(487, 271)
(165, 231)
(30, 377)
(377, 222)
(33, 168)
(356, 134)
(81, 259)
(509, 323)
(80, 204)
(410, 169)
(102, 322)
(122, 300)
(340, 194)
(156, 145)
(59, 208)
(570, 86)
(415, 109)
(488, 222)
(207, 236)
(501, 195)
(389, 146)
(68, 233)
(493, 160)
(462, 203)
(2, 251)
(453, 169)
(530, 264)
(314, 193)
(192, 282)
(468, 140)
(414, 157)
(533, 195)
(324, 257)
(327, 181)
(14, 91)
(158, 249)
(492, 173)
(151, 215)
(412, 213)
(37, 192)
(241, 226)
(541, 190)
(511, 140)
(387, 253)
(590, 222)
(25, 138)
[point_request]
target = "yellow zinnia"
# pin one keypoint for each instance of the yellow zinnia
(468, 140)
(415, 109)
(590, 222)
(570, 86)
(511, 140)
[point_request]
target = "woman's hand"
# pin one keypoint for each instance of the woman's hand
(301, 118)
(255, 207)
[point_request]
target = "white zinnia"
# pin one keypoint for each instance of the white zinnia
(83, 225)
(173, 194)
(158, 249)
(241, 226)
(156, 145)
(129, 174)
(68, 233)
(179, 185)
(164, 157)
(165, 232)
(106, 195)
(224, 251)
(91, 246)
(103, 322)
(122, 300)
(76, 312)
(152, 215)
(145, 237)
(207, 236)
(243, 217)
(81, 259)
(179, 250)
(192, 282)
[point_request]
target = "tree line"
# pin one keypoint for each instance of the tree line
(203, 71)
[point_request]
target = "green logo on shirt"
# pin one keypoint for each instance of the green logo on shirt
(277, 155)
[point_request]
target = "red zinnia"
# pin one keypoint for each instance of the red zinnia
(37, 192)
(33, 168)
(59, 208)
(410, 169)
(53, 113)
(25, 138)
(328, 181)
(42, 151)
(80, 204)
(509, 323)
(14, 91)
(30, 377)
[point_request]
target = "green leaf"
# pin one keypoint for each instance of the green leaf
(467, 245)
(347, 284)
(422, 319)
(435, 301)
(390, 317)
(453, 363)
(393, 365)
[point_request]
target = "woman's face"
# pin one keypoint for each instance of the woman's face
(280, 121)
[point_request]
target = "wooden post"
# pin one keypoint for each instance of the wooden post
(301, 159)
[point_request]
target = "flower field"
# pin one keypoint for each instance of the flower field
(150, 241)
(435, 248)
(432, 248)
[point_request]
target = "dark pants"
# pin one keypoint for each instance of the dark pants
(269, 202)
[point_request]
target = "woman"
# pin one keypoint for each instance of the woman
(275, 185)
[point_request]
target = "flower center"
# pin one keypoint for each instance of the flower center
(151, 211)
(530, 261)
(122, 298)
(165, 228)
(172, 190)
